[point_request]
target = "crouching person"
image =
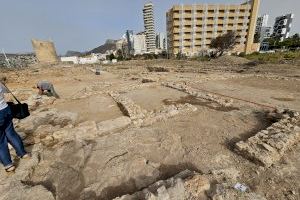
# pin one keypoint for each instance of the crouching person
(46, 87)
(8, 133)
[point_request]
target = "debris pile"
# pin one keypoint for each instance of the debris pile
(18, 60)
(188, 185)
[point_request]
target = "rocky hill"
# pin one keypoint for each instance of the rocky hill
(108, 45)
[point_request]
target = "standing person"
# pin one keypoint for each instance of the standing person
(48, 87)
(8, 133)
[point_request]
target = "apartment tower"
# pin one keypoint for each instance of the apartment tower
(149, 27)
(262, 21)
(262, 28)
(282, 26)
(190, 28)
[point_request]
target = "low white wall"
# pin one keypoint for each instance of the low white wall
(73, 59)
(89, 60)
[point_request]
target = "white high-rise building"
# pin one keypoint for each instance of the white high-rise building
(262, 28)
(161, 41)
(282, 26)
(139, 44)
(262, 21)
(149, 27)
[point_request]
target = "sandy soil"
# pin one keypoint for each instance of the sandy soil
(206, 136)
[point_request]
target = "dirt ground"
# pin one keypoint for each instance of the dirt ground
(206, 136)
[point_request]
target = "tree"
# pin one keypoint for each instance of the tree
(223, 43)
(112, 56)
(257, 38)
(296, 36)
(120, 54)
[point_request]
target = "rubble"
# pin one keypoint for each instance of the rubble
(269, 146)
(188, 185)
(17, 61)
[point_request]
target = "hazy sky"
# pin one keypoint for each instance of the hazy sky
(84, 24)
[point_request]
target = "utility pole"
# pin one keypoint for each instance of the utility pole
(6, 59)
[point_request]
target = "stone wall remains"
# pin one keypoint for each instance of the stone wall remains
(45, 51)
(269, 146)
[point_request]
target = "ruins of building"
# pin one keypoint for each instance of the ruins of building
(45, 51)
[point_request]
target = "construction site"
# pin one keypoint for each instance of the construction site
(225, 129)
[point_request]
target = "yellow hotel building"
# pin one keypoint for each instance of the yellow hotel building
(190, 28)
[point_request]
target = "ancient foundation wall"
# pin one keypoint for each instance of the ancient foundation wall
(45, 51)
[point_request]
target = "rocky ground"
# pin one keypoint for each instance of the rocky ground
(223, 129)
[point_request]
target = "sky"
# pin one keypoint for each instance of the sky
(82, 25)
